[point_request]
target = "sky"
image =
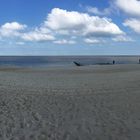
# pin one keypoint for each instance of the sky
(66, 27)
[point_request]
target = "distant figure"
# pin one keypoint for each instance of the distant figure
(113, 62)
(139, 61)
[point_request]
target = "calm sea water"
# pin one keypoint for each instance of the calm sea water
(46, 61)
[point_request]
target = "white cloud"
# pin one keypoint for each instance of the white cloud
(37, 36)
(134, 24)
(131, 7)
(13, 26)
(63, 32)
(122, 39)
(15, 29)
(96, 11)
(11, 29)
(63, 41)
(42, 29)
(60, 23)
(91, 41)
(80, 23)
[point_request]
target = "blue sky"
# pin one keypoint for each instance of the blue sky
(60, 27)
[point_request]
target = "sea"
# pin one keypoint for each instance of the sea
(50, 61)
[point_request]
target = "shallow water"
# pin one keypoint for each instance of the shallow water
(46, 61)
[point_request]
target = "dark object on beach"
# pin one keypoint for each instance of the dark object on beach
(113, 62)
(139, 61)
(104, 63)
(77, 64)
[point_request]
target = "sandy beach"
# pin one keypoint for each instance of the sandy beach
(70, 103)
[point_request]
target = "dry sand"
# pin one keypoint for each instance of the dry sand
(77, 103)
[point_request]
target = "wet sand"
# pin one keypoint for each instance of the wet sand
(73, 103)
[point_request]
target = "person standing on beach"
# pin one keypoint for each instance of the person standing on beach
(113, 62)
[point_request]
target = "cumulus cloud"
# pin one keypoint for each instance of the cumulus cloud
(131, 7)
(134, 24)
(64, 24)
(122, 39)
(15, 29)
(37, 36)
(13, 26)
(91, 41)
(80, 23)
(96, 11)
(63, 41)
(11, 29)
